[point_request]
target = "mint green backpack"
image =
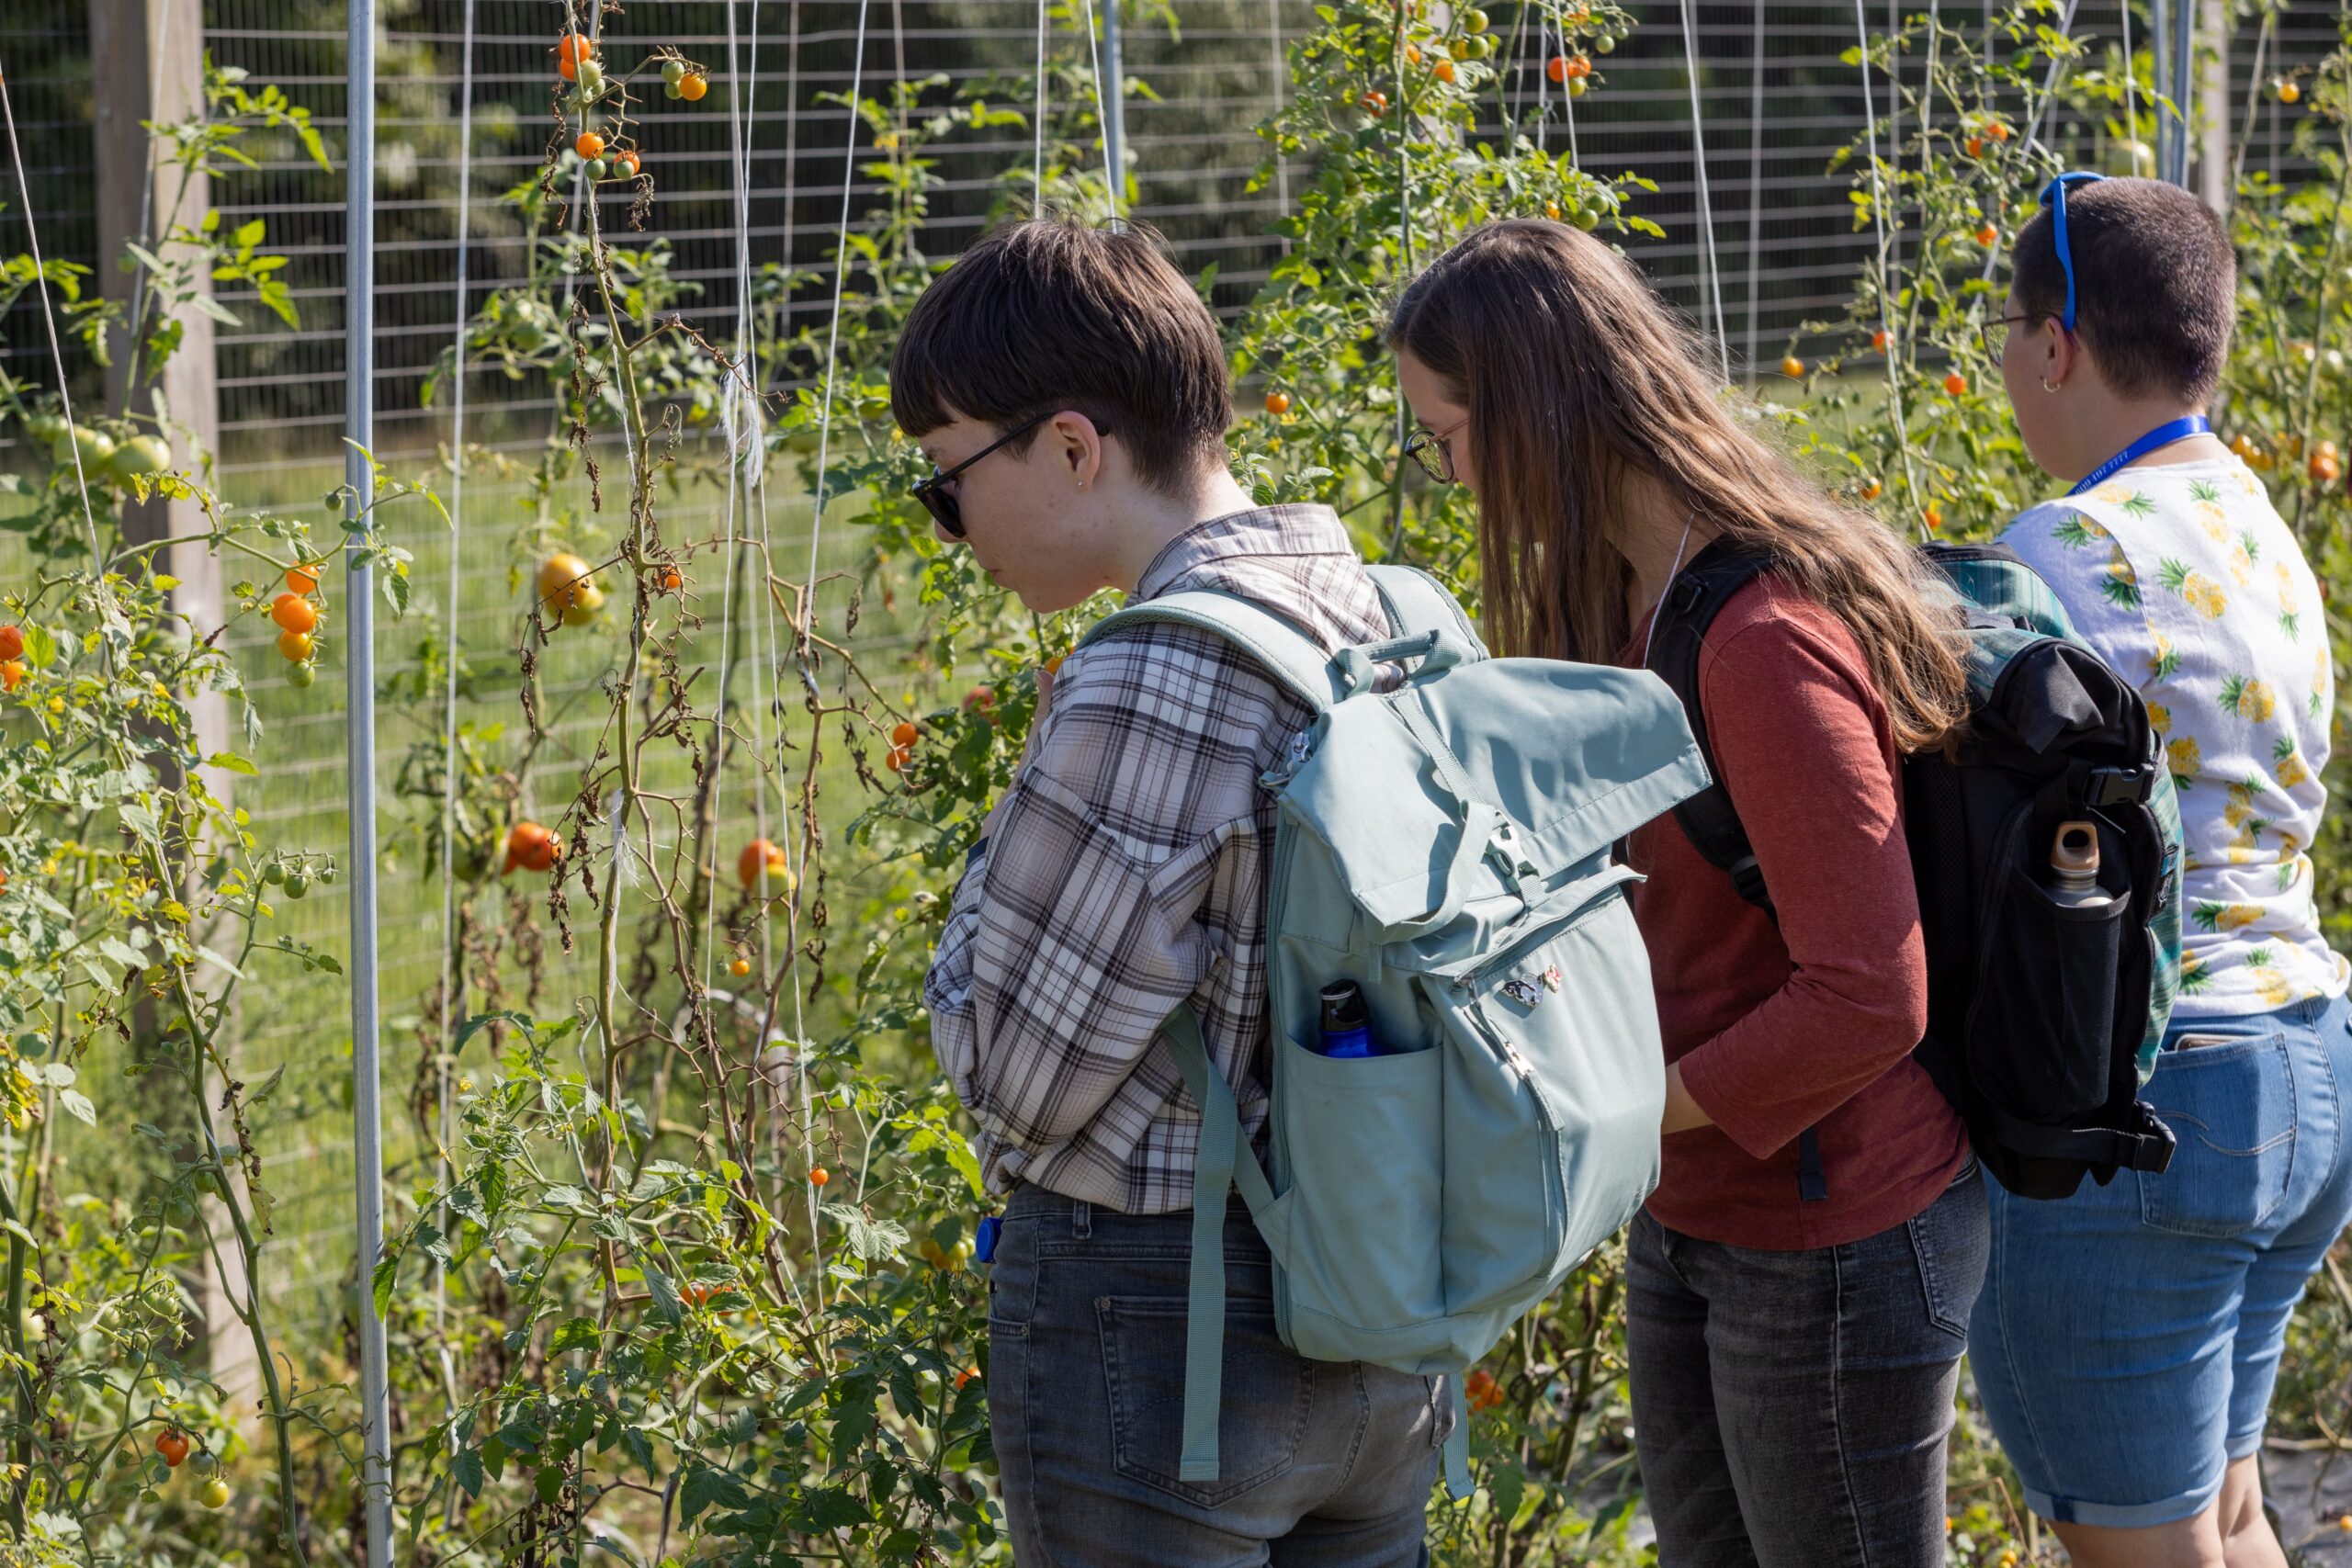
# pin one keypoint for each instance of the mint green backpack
(1446, 845)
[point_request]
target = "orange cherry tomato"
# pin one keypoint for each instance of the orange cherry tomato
(1955, 384)
(904, 733)
(1556, 68)
(12, 642)
(1442, 71)
(691, 86)
(12, 674)
(763, 867)
(1278, 402)
(1792, 367)
(1375, 103)
(296, 646)
(819, 1176)
(739, 968)
(1988, 236)
(301, 578)
(532, 846)
(172, 1443)
(589, 145)
(293, 613)
(572, 48)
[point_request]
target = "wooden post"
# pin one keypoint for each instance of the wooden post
(154, 52)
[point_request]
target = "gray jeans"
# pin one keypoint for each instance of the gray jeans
(1326, 1464)
(1791, 1408)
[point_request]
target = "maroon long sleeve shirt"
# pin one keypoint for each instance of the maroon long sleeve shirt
(1809, 1023)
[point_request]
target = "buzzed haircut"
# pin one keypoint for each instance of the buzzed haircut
(1051, 314)
(2156, 285)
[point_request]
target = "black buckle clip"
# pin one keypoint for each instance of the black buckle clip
(2116, 786)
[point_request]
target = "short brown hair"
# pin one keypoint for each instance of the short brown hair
(2156, 285)
(1049, 314)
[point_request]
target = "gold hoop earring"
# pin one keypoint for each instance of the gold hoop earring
(2050, 386)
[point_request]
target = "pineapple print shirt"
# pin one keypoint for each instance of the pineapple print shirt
(2187, 581)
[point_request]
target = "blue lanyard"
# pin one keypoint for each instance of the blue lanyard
(2163, 436)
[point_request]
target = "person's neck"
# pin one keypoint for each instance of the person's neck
(2101, 425)
(1149, 519)
(1657, 535)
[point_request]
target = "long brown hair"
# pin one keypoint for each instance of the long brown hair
(1576, 375)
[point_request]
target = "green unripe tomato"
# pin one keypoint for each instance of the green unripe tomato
(208, 1181)
(299, 677)
(96, 446)
(595, 168)
(179, 1209)
(1587, 218)
(45, 428)
(591, 77)
(215, 1494)
(139, 455)
(670, 90)
(673, 71)
(1482, 45)
(327, 874)
(272, 873)
(203, 1461)
(1473, 21)
(1577, 86)
(1604, 44)
(298, 882)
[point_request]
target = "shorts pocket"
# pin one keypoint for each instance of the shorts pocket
(2231, 1106)
(2043, 1033)
(1268, 1396)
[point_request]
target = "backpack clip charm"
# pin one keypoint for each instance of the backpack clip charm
(1523, 993)
(1552, 978)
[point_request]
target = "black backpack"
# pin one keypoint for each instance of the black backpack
(2042, 1020)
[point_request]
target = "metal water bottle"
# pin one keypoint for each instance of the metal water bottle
(2073, 867)
(1347, 1022)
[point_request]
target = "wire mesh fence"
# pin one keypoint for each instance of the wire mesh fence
(1777, 95)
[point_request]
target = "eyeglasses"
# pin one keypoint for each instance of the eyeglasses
(937, 494)
(1433, 450)
(1997, 333)
(2054, 197)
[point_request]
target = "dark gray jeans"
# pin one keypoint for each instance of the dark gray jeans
(1326, 1464)
(1791, 1408)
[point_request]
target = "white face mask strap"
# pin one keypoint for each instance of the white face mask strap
(1671, 572)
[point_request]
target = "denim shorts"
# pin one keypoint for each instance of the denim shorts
(2128, 1338)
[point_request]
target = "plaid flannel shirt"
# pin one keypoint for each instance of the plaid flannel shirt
(1125, 870)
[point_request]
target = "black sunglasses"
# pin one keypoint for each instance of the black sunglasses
(939, 500)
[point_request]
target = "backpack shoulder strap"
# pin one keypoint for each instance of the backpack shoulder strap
(1693, 601)
(1291, 657)
(1417, 602)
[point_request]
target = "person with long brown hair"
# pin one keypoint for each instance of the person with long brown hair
(1799, 1286)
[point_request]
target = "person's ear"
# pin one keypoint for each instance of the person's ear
(2058, 354)
(1076, 446)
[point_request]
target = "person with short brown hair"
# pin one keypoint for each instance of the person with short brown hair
(2128, 1338)
(1070, 386)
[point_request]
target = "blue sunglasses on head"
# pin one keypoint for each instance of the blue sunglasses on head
(2054, 197)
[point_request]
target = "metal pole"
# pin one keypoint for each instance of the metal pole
(358, 419)
(2184, 72)
(1114, 106)
(2160, 47)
